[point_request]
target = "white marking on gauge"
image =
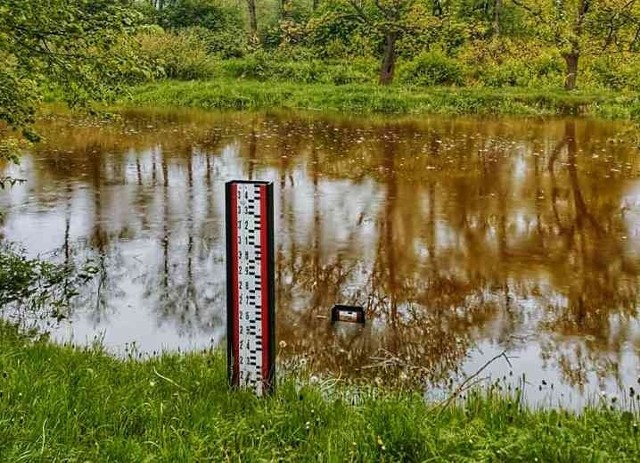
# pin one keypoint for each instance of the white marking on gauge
(249, 280)
(250, 285)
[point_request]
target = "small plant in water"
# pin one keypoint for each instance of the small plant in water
(37, 286)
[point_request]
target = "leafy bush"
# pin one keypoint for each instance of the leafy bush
(424, 34)
(334, 32)
(505, 62)
(616, 72)
(607, 73)
(36, 284)
(227, 43)
(181, 55)
(432, 68)
(515, 72)
(258, 66)
(510, 73)
(200, 13)
(547, 65)
(287, 32)
(356, 72)
(280, 67)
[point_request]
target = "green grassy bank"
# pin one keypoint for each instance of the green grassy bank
(60, 403)
(239, 94)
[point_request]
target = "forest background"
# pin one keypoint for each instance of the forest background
(82, 51)
(486, 43)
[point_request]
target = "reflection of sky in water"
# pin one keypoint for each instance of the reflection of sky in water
(631, 206)
(461, 238)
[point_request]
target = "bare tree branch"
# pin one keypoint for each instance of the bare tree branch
(467, 383)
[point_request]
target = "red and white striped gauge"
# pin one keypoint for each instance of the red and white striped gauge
(250, 286)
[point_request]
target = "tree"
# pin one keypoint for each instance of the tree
(577, 27)
(78, 48)
(390, 18)
(487, 12)
(201, 13)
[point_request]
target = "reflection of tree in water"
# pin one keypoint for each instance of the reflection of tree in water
(498, 246)
(187, 294)
(456, 225)
(103, 294)
(601, 296)
(179, 290)
(426, 313)
(182, 290)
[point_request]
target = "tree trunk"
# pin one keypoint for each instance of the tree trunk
(315, 4)
(253, 19)
(389, 59)
(571, 59)
(438, 10)
(497, 6)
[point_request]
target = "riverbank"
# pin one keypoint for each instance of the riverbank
(239, 94)
(64, 403)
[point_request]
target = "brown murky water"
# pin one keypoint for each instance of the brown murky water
(460, 237)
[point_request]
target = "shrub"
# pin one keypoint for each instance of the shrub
(432, 68)
(200, 13)
(608, 73)
(334, 32)
(227, 43)
(548, 65)
(616, 72)
(510, 73)
(280, 67)
(355, 72)
(506, 62)
(33, 284)
(258, 66)
(182, 55)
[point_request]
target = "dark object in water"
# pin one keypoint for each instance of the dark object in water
(347, 313)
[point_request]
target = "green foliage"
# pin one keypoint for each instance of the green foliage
(34, 284)
(60, 403)
(432, 68)
(577, 27)
(224, 44)
(83, 51)
(79, 47)
(10, 148)
(425, 33)
(280, 66)
(258, 66)
(19, 95)
(607, 73)
(181, 55)
(199, 13)
(511, 63)
(335, 32)
(615, 72)
(509, 73)
(287, 28)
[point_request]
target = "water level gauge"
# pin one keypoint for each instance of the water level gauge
(250, 286)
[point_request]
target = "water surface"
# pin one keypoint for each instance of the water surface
(461, 238)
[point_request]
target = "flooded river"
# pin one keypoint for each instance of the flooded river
(462, 238)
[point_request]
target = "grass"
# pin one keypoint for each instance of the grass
(60, 403)
(238, 94)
